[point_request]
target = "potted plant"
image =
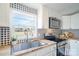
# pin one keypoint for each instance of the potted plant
(14, 41)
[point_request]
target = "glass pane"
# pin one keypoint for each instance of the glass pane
(20, 22)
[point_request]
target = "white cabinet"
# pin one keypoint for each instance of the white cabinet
(67, 47)
(43, 51)
(72, 48)
(65, 22)
(31, 54)
(46, 51)
(49, 54)
(75, 21)
(53, 50)
(78, 48)
(70, 22)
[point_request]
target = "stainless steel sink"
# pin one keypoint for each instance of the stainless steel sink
(27, 45)
(37, 44)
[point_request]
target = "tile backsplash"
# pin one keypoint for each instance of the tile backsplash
(75, 31)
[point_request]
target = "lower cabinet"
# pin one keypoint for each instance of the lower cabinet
(72, 48)
(46, 51)
(67, 47)
(30, 54)
(49, 54)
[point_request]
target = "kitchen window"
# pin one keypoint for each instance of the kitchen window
(21, 21)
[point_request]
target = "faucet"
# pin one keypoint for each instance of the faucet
(26, 33)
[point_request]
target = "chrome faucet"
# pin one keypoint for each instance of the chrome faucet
(26, 33)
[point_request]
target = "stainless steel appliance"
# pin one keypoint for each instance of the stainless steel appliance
(54, 23)
(61, 48)
(60, 44)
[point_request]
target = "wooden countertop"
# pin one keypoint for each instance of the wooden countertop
(5, 50)
(35, 48)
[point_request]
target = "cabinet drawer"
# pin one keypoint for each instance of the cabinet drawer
(53, 47)
(49, 54)
(30, 54)
(43, 51)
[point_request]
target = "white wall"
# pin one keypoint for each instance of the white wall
(4, 14)
(43, 16)
(40, 16)
(52, 13)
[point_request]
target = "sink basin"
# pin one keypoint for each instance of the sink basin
(27, 45)
(37, 44)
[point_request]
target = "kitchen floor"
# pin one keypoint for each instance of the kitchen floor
(5, 50)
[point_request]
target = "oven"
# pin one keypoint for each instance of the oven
(61, 46)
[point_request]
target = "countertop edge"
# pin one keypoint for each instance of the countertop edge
(34, 49)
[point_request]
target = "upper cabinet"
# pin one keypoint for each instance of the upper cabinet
(65, 22)
(75, 21)
(70, 22)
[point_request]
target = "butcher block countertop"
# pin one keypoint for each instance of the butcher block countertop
(49, 43)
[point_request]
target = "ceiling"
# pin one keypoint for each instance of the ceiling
(33, 5)
(62, 8)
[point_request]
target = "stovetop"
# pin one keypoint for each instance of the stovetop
(53, 38)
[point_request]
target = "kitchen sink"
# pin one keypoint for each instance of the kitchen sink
(37, 44)
(26, 45)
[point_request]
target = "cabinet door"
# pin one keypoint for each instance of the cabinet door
(43, 51)
(77, 48)
(67, 48)
(75, 21)
(47, 51)
(53, 50)
(66, 22)
(49, 54)
(31, 54)
(73, 48)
